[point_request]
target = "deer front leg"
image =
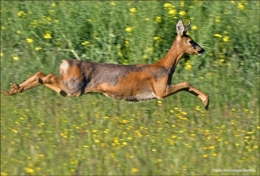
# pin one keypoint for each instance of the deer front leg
(28, 84)
(185, 86)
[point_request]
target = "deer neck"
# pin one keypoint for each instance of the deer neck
(172, 58)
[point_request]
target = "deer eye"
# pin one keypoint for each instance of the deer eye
(193, 44)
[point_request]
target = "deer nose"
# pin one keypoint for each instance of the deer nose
(201, 51)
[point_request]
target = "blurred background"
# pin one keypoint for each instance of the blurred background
(44, 133)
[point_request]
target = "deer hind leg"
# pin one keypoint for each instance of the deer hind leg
(184, 86)
(36, 80)
(54, 83)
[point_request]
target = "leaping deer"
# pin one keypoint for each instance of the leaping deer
(127, 82)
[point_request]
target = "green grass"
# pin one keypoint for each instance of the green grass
(43, 133)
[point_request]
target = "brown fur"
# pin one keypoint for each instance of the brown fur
(127, 82)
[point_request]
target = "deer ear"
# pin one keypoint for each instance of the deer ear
(186, 28)
(180, 29)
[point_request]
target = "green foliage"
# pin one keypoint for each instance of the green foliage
(44, 133)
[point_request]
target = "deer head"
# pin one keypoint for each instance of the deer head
(185, 42)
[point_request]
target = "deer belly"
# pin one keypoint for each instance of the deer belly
(141, 96)
(137, 97)
(145, 96)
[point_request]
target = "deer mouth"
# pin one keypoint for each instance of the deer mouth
(201, 52)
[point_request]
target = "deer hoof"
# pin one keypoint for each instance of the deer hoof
(9, 93)
(15, 86)
(206, 102)
(6, 93)
(14, 89)
(63, 93)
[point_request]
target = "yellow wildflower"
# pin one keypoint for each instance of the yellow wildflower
(85, 43)
(240, 6)
(41, 155)
(158, 19)
(156, 38)
(134, 170)
(38, 48)
(3, 174)
(116, 141)
(128, 29)
(48, 18)
(172, 12)
(16, 58)
(168, 5)
(182, 4)
(133, 10)
(194, 27)
(217, 19)
(34, 23)
(182, 13)
(217, 35)
(21, 13)
(29, 170)
(226, 39)
(188, 65)
(124, 121)
(28, 40)
(173, 136)
(184, 113)
(47, 35)
(112, 3)
(119, 52)
(126, 43)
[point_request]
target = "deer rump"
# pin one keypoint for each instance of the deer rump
(127, 82)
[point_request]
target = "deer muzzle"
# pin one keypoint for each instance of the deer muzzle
(201, 51)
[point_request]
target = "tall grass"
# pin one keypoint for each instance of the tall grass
(45, 134)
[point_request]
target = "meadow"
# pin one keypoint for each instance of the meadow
(43, 133)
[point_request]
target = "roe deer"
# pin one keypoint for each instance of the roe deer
(127, 82)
